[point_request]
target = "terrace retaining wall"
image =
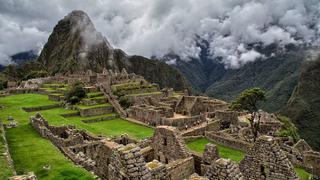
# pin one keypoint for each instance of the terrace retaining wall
(233, 143)
(40, 108)
(95, 111)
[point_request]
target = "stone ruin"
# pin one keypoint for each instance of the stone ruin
(266, 160)
(168, 144)
(110, 160)
(164, 156)
(186, 112)
(28, 176)
(223, 169)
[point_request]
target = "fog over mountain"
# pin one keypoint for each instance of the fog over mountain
(160, 27)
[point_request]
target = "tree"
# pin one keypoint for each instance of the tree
(248, 101)
(75, 93)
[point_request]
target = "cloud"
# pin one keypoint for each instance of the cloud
(159, 27)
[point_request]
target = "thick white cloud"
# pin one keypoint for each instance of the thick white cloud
(159, 27)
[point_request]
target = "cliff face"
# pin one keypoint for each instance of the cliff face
(304, 105)
(76, 46)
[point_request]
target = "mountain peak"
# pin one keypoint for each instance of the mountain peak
(76, 45)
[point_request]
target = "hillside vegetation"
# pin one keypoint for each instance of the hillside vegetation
(304, 105)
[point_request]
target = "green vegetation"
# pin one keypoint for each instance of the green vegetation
(75, 93)
(198, 145)
(248, 101)
(288, 129)
(114, 127)
(303, 108)
(27, 147)
(124, 101)
(302, 173)
(24, 71)
(94, 94)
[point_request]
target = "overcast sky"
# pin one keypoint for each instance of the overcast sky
(157, 27)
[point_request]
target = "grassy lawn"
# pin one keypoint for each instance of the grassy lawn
(114, 127)
(302, 173)
(198, 145)
(29, 151)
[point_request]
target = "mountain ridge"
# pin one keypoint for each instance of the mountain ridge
(75, 46)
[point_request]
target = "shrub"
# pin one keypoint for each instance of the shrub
(288, 129)
(124, 102)
(75, 93)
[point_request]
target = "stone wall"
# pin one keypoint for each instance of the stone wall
(266, 160)
(228, 141)
(40, 108)
(5, 150)
(223, 169)
(95, 111)
(311, 161)
(182, 122)
(195, 105)
(227, 118)
(90, 102)
(126, 162)
(168, 144)
(149, 114)
(200, 130)
(56, 97)
(180, 169)
(106, 118)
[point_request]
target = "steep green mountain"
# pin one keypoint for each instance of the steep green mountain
(76, 46)
(278, 75)
(304, 106)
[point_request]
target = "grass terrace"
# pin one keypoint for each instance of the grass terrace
(29, 151)
(94, 94)
(198, 145)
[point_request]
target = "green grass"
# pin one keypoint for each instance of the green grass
(302, 173)
(109, 128)
(198, 145)
(94, 94)
(29, 151)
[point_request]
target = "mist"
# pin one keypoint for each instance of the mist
(159, 27)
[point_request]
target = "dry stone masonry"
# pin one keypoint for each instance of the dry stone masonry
(176, 117)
